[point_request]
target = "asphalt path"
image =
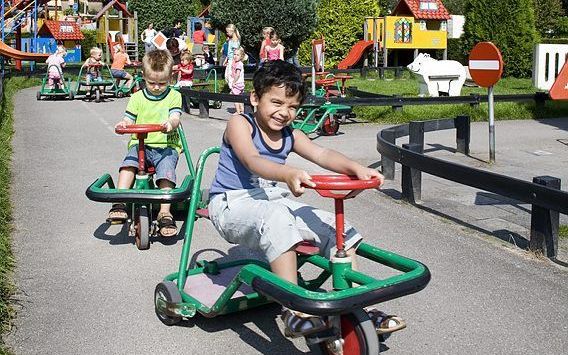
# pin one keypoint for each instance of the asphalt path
(83, 287)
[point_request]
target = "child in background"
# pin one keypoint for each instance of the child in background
(248, 208)
(234, 42)
(185, 70)
(117, 68)
(155, 104)
(275, 50)
(198, 34)
(55, 64)
(93, 65)
(267, 32)
(208, 57)
(237, 78)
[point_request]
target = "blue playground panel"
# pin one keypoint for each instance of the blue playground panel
(49, 45)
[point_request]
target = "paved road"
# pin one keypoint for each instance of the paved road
(85, 288)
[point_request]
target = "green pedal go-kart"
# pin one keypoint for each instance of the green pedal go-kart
(144, 197)
(323, 120)
(122, 89)
(61, 87)
(212, 288)
(96, 88)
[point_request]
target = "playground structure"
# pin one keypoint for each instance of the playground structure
(14, 16)
(117, 29)
(211, 35)
(414, 24)
(52, 33)
(548, 61)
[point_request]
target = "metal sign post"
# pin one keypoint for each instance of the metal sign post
(491, 125)
(486, 68)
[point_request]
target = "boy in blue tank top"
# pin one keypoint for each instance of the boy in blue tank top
(248, 208)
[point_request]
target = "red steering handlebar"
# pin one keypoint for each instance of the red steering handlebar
(139, 128)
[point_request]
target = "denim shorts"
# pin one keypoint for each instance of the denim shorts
(164, 160)
(118, 73)
(264, 219)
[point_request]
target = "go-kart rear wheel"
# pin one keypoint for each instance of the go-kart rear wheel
(217, 104)
(166, 291)
(38, 95)
(329, 127)
(71, 95)
(358, 333)
(98, 95)
(119, 94)
(142, 227)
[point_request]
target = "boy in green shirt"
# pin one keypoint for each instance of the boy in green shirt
(156, 104)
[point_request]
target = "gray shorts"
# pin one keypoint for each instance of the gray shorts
(264, 219)
(164, 160)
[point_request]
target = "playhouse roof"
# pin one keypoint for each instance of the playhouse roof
(422, 9)
(61, 30)
(119, 6)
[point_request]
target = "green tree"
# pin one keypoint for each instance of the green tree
(510, 25)
(548, 14)
(162, 13)
(293, 20)
(340, 22)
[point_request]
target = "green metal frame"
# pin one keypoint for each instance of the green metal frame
(107, 85)
(65, 90)
(123, 90)
(342, 274)
(310, 117)
(211, 75)
(145, 188)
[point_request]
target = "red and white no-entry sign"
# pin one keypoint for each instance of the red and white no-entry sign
(485, 64)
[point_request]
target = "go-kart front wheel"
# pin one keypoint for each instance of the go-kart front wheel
(166, 291)
(358, 333)
(142, 227)
(329, 127)
(98, 95)
(38, 95)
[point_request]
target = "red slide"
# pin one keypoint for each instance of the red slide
(8, 51)
(355, 54)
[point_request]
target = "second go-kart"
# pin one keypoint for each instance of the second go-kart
(95, 88)
(61, 87)
(144, 195)
(212, 288)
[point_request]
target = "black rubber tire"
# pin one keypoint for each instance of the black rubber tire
(97, 95)
(71, 95)
(38, 95)
(329, 126)
(217, 104)
(168, 291)
(361, 338)
(142, 227)
(119, 94)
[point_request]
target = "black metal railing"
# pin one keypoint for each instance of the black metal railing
(543, 193)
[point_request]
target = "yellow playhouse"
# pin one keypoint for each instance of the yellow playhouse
(414, 24)
(121, 28)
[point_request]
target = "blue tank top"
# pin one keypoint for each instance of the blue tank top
(231, 173)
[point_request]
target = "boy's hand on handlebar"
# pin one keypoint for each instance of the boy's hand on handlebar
(296, 178)
(364, 173)
(167, 127)
(121, 124)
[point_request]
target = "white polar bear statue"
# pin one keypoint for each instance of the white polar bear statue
(438, 76)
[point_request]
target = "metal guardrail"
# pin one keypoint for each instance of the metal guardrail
(543, 193)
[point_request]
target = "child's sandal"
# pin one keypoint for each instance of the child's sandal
(166, 225)
(117, 214)
(297, 324)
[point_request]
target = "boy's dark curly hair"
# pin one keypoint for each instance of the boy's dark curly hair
(279, 73)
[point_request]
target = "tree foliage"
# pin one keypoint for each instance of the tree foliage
(162, 13)
(293, 20)
(340, 22)
(548, 14)
(509, 24)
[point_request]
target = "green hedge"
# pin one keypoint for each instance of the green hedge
(88, 42)
(341, 24)
(162, 13)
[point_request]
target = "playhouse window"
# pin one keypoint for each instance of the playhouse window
(428, 5)
(402, 31)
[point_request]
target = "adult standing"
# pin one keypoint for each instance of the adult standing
(147, 36)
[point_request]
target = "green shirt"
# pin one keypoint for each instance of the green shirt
(145, 108)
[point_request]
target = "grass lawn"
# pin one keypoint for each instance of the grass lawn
(563, 231)
(11, 86)
(407, 86)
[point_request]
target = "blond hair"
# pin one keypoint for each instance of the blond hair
(95, 50)
(243, 54)
(61, 50)
(268, 31)
(186, 56)
(233, 28)
(159, 62)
